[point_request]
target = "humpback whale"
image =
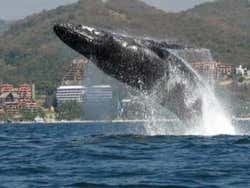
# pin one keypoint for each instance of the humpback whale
(145, 64)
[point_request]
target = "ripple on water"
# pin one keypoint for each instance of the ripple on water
(68, 156)
(242, 141)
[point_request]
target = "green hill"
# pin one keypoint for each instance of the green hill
(231, 39)
(30, 51)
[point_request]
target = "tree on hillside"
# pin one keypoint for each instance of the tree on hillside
(70, 111)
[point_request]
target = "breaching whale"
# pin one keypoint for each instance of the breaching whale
(145, 64)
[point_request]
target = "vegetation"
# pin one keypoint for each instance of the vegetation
(30, 51)
(241, 79)
(28, 115)
(70, 111)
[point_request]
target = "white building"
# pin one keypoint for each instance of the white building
(98, 102)
(70, 93)
(241, 71)
(248, 73)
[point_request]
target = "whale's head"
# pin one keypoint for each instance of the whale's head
(85, 40)
(120, 56)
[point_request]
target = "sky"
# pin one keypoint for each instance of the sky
(18, 9)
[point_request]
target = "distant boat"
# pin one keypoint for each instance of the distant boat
(38, 119)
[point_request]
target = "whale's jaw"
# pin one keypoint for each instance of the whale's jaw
(81, 38)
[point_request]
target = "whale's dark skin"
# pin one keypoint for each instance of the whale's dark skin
(140, 63)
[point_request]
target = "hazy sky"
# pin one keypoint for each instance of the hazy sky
(16, 9)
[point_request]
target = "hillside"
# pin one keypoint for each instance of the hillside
(231, 20)
(31, 52)
(231, 13)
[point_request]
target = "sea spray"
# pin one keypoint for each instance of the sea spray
(214, 120)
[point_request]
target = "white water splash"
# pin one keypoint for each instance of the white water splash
(214, 119)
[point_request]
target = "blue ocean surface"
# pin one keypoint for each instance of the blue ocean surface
(98, 155)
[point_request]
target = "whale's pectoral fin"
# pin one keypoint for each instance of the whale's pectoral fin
(174, 100)
(197, 106)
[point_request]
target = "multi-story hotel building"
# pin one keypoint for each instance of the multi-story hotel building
(70, 93)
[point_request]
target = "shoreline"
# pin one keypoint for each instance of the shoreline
(90, 122)
(104, 121)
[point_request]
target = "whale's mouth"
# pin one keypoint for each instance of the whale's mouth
(80, 38)
(77, 32)
(65, 31)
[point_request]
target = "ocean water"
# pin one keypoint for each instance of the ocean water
(114, 155)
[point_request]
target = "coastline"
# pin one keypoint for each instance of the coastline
(237, 119)
(89, 122)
